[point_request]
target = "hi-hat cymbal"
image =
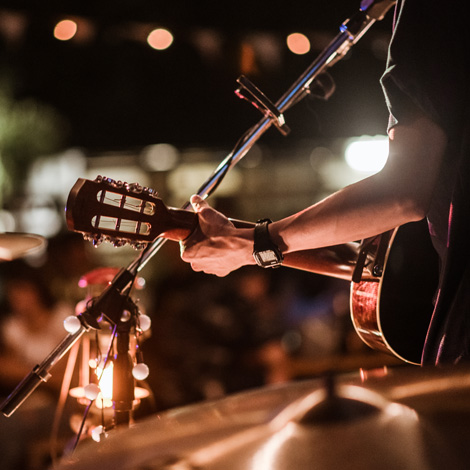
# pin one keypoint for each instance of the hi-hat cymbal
(17, 245)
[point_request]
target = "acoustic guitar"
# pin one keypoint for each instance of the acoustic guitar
(392, 280)
(392, 300)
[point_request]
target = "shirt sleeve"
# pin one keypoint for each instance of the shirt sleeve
(427, 63)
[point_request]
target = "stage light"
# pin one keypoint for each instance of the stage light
(65, 30)
(367, 154)
(298, 43)
(160, 39)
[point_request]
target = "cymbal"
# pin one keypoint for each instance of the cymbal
(17, 245)
(401, 418)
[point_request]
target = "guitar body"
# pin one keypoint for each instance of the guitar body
(391, 312)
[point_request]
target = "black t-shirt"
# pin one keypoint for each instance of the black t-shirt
(427, 66)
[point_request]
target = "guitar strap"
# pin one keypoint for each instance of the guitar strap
(382, 242)
(361, 259)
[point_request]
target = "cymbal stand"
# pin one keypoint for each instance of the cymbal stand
(309, 82)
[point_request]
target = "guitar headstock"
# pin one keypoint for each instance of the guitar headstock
(123, 213)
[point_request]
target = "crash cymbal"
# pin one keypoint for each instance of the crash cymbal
(410, 418)
(17, 245)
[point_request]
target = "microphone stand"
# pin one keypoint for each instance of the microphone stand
(110, 303)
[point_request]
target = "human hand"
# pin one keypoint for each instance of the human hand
(216, 246)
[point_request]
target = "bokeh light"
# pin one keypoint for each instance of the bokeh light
(160, 39)
(65, 30)
(298, 43)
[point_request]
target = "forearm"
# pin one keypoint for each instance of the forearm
(400, 193)
(356, 212)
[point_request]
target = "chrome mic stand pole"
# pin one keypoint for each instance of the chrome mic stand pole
(39, 374)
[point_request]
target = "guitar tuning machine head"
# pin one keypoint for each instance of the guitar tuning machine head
(105, 179)
(134, 187)
(118, 242)
(97, 240)
(138, 245)
(151, 192)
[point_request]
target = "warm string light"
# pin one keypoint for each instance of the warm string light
(161, 38)
(65, 30)
(102, 391)
(96, 388)
(298, 43)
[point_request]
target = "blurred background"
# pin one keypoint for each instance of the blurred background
(143, 91)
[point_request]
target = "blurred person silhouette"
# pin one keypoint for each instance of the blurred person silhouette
(210, 339)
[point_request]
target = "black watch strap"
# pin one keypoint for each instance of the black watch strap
(265, 252)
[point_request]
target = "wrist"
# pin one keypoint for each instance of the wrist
(243, 244)
(266, 252)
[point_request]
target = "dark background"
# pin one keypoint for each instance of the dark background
(114, 92)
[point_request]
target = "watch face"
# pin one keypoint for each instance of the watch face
(267, 258)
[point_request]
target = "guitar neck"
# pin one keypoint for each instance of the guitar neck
(184, 222)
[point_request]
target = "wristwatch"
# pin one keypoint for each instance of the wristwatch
(265, 252)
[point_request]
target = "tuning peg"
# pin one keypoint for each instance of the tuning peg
(97, 240)
(135, 187)
(105, 179)
(118, 242)
(138, 245)
(151, 192)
